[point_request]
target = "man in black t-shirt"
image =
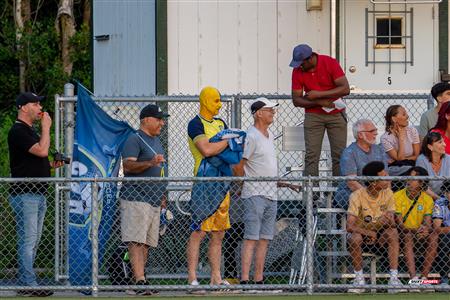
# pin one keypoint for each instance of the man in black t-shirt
(28, 152)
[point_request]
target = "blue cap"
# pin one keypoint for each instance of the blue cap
(300, 53)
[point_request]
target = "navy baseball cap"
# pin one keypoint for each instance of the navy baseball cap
(154, 111)
(28, 97)
(300, 53)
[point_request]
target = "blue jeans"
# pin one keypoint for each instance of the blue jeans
(30, 212)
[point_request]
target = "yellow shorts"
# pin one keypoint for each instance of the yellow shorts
(220, 220)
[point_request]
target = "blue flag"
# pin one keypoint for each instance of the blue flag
(98, 143)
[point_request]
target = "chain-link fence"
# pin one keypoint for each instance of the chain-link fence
(310, 217)
(173, 136)
(389, 235)
(236, 113)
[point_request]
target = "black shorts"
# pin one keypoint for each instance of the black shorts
(376, 249)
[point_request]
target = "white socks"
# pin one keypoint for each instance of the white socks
(393, 272)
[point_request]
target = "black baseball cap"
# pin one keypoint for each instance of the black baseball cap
(154, 111)
(28, 97)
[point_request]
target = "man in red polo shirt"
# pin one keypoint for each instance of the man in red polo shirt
(318, 83)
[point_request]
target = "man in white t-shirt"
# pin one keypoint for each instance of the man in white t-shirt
(259, 197)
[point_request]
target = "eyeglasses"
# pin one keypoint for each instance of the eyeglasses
(271, 110)
(371, 131)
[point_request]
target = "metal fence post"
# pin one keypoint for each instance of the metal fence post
(236, 116)
(309, 237)
(69, 124)
(68, 127)
(94, 237)
(57, 210)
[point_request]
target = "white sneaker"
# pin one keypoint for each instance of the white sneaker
(130, 292)
(413, 285)
(429, 286)
(358, 281)
(196, 292)
(443, 285)
(394, 281)
(225, 290)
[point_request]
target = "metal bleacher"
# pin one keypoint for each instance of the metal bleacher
(336, 255)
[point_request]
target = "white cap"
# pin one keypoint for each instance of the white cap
(262, 102)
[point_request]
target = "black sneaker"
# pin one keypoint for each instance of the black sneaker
(268, 291)
(142, 292)
(247, 291)
(154, 292)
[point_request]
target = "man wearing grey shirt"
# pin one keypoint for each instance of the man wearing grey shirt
(353, 159)
(140, 202)
(441, 93)
(259, 198)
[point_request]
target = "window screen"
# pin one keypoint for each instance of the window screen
(383, 31)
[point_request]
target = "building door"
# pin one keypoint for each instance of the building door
(390, 46)
(124, 45)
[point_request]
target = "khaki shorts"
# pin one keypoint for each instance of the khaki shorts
(139, 222)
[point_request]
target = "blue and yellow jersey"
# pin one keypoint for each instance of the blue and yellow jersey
(199, 128)
(423, 208)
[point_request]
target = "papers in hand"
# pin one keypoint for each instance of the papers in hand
(339, 104)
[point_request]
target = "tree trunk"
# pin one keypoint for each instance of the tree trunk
(65, 26)
(87, 13)
(26, 12)
(19, 7)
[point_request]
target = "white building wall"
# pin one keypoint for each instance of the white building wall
(240, 46)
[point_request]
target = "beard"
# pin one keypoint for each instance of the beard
(370, 142)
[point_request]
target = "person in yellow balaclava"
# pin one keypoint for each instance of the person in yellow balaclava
(200, 129)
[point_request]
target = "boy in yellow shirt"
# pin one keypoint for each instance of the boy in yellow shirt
(371, 225)
(413, 211)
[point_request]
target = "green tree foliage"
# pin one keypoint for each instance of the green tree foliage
(42, 55)
(7, 121)
(9, 79)
(81, 56)
(44, 75)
